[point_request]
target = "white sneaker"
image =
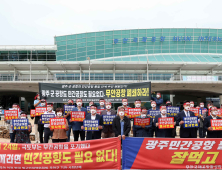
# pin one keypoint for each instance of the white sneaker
(36, 141)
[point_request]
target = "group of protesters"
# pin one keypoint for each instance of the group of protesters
(121, 125)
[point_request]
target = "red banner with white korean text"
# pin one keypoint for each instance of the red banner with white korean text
(91, 154)
(172, 153)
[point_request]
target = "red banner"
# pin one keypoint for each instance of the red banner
(98, 111)
(32, 112)
(216, 124)
(40, 110)
(58, 123)
(142, 122)
(91, 154)
(77, 116)
(166, 123)
(172, 153)
(195, 110)
(11, 114)
(134, 112)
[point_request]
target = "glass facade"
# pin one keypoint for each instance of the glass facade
(99, 45)
(27, 55)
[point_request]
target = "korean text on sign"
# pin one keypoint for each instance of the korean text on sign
(58, 123)
(166, 123)
(98, 111)
(195, 110)
(68, 108)
(216, 124)
(46, 118)
(173, 111)
(134, 112)
(77, 116)
(40, 110)
(108, 119)
(32, 112)
(142, 122)
(91, 125)
(190, 122)
(154, 113)
(11, 114)
(88, 109)
(20, 124)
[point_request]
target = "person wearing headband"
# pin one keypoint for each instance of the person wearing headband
(39, 128)
(144, 130)
(59, 135)
(207, 124)
(76, 126)
(67, 116)
(191, 104)
(107, 131)
(15, 106)
(22, 136)
(153, 107)
(202, 132)
(186, 132)
(90, 135)
(47, 131)
(101, 104)
(162, 133)
(169, 104)
(121, 124)
(37, 101)
(158, 100)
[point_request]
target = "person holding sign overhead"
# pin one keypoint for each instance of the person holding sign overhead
(186, 132)
(22, 136)
(47, 132)
(12, 134)
(76, 126)
(143, 130)
(107, 131)
(163, 132)
(121, 124)
(211, 133)
(59, 135)
(93, 116)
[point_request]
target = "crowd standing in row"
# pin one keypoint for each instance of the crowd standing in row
(121, 125)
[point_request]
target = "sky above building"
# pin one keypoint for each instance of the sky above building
(25, 22)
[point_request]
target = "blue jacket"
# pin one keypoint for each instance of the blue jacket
(158, 102)
(77, 125)
(162, 133)
(143, 132)
(99, 107)
(97, 134)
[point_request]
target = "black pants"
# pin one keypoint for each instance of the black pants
(202, 132)
(76, 134)
(12, 137)
(58, 140)
(41, 129)
(47, 133)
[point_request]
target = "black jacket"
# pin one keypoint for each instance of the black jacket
(186, 132)
(207, 124)
(162, 133)
(97, 134)
(117, 126)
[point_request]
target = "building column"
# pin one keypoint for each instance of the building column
(220, 101)
(171, 98)
(114, 72)
(199, 100)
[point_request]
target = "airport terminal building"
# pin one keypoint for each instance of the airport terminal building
(183, 63)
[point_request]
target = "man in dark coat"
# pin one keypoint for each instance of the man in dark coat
(207, 124)
(186, 132)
